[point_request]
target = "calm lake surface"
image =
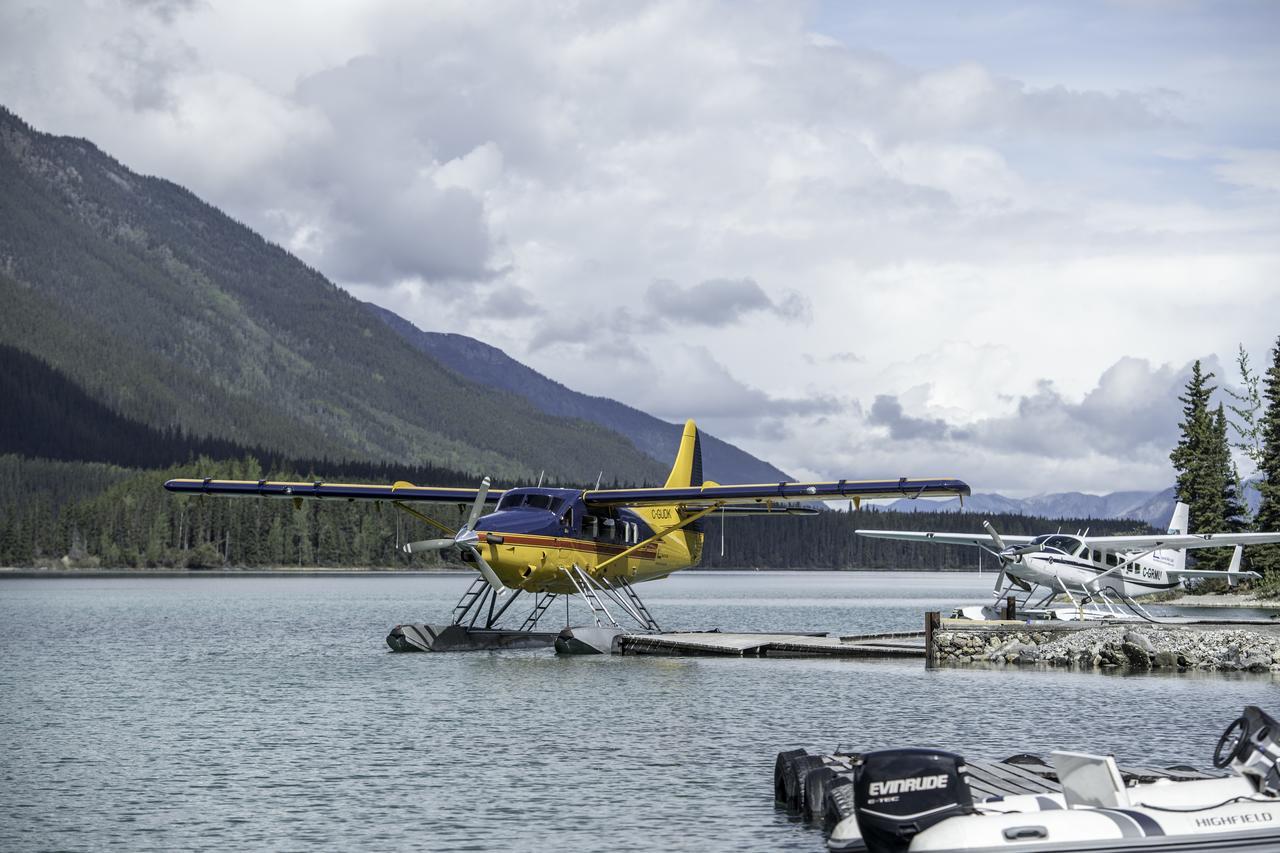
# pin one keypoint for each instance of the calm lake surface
(246, 712)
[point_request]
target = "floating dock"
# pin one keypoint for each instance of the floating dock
(909, 644)
(595, 640)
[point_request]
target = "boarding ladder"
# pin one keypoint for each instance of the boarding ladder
(541, 603)
(616, 590)
(469, 598)
(637, 609)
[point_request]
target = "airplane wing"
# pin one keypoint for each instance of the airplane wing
(713, 494)
(400, 491)
(1177, 541)
(979, 539)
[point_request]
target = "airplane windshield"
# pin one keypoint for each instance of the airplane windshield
(1065, 544)
(513, 501)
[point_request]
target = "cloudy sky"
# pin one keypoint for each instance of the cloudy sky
(858, 239)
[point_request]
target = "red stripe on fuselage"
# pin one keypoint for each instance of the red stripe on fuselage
(648, 552)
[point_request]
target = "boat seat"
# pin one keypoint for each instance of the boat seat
(1091, 781)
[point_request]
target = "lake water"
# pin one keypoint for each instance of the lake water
(242, 712)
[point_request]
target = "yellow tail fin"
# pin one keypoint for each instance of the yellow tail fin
(688, 468)
(686, 472)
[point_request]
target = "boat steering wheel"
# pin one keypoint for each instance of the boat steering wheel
(1231, 744)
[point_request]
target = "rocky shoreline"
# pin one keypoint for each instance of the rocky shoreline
(1223, 599)
(1144, 648)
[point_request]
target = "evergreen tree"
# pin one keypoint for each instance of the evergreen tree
(1247, 409)
(1198, 483)
(1266, 558)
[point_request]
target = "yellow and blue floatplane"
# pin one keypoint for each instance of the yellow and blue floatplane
(592, 544)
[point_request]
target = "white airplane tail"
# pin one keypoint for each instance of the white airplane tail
(1178, 525)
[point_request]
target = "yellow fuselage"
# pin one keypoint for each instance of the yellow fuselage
(536, 562)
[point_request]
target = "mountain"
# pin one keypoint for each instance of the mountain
(171, 314)
(1154, 508)
(487, 365)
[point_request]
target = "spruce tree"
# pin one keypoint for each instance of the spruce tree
(1193, 458)
(1266, 558)
(1247, 409)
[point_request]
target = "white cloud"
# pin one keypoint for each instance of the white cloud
(1116, 436)
(1258, 169)
(971, 203)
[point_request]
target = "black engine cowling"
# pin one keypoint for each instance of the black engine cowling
(901, 792)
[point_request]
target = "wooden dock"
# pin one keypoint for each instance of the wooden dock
(906, 644)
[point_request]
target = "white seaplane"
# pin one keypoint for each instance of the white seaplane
(1097, 573)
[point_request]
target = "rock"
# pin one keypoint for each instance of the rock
(1256, 663)
(1139, 640)
(1166, 659)
(1136, 655)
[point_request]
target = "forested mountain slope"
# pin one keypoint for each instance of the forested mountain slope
(490, 366)
(171, 314)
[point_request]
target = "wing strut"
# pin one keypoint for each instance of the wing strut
(684, 522)
(423, 517)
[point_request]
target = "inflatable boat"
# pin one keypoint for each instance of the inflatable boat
(918, 800)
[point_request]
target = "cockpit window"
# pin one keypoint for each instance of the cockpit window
(512, 501)
(1065, 544)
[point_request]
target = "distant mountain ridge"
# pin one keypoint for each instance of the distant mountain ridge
(657, 439)
(1155, 508)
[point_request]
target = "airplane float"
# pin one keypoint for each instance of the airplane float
(590, 544)
(1101, 572)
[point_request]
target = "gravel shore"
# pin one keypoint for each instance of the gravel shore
(1148, 647)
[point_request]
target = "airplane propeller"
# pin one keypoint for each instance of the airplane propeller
(465, 541)
(1007, 554)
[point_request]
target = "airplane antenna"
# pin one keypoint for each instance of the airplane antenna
(540, 473)
(599, 477)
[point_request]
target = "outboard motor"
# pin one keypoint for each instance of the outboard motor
(1251, 747)
(899, 793)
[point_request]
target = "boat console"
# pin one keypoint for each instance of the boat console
(1251, 747)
